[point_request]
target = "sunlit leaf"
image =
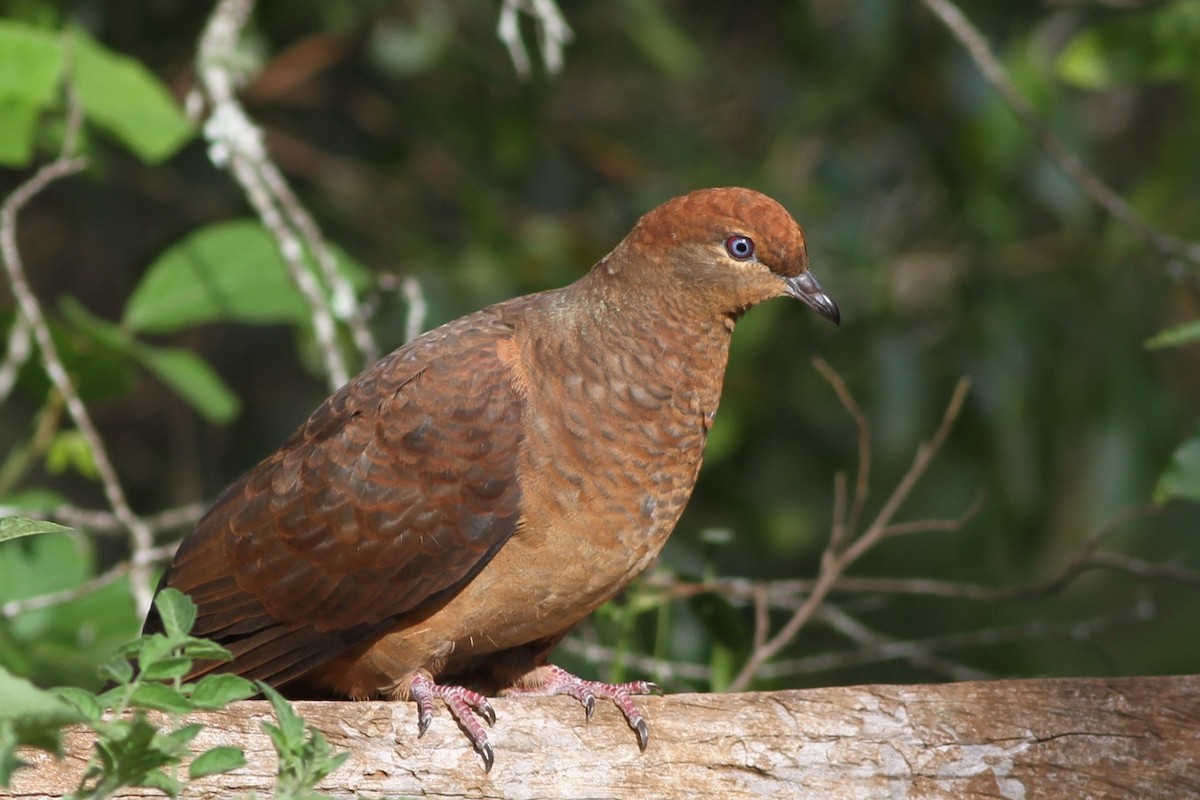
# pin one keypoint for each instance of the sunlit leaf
(69, 450)
(217, 691)
(30, 63)
(18, 123)
(16, 527)
(1181, 480)
(192, 379)
(1138, 46)
(1173, 337)
(183, 371)
(120, 95)
(231, 271)
(177, 612)
(159, 697)
(217, 760)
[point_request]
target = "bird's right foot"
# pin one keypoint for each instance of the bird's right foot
(466, 705)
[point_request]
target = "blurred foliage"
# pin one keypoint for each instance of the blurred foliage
(953, 245)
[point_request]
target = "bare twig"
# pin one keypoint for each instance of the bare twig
(68, 163)
(237, 143)
(788, 595)
(835, 561)
(19, 348)
(915, 650)
(417, 308)
(14, 608)
(95, 521)
(977, 47)
(874, 647)
(922, 658)
(552, 29)
(863, 480)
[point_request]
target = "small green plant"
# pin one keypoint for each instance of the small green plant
(305, 756)
(130, 749)
(133, 749)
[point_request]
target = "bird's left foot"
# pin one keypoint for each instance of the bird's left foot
(466, 705)
(553, 680)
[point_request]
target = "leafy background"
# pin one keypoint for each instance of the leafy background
(952, 243)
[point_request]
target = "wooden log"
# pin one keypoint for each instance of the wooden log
(1021, 740)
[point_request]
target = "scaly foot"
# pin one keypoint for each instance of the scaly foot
(466, 706)
(556, 680)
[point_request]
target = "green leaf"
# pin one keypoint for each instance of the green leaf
(31, 717)
(82, 700)
(120, 95)
(16, 527)
(192, 379)
(218, 691)
(160, 697)
(1134, 47)
(290, 733)
(30, 707)
(179, 737)
(1173, 337)
(227, 271)
(157, 779)
(70, 450)
(181, 370)
(18, 124)
(166, 669)
(1181, 480)
(216, 761)
(30, 64)
(204, 650)
(177, 611)
(118, 671)
(34, 498)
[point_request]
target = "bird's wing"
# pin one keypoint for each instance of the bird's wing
(389, 499)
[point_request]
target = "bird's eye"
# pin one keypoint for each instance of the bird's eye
(740, 247)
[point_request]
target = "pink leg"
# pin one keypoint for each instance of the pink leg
(466, 706)
(559, 681)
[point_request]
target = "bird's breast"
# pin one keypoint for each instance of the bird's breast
(611, 452)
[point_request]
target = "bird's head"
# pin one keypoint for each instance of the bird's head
(724, 250)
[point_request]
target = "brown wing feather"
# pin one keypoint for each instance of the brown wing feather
(392, 495)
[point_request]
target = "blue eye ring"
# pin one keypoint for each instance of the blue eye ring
(740, 247)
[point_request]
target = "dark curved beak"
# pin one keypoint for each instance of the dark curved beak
(805, 288)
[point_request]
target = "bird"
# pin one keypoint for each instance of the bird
(438, 525)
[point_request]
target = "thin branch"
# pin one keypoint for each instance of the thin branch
(988, 637)
(859, 633)
(68, 163)
(237, 143)
(96, 521)
(20, 343)
(14, 608)
(552, 30)
(417, 308)
(981, 53)
(344, 304)
(862, 481)
(834, 562)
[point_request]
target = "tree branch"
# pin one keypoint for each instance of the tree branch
(1101, 738)
(67, 163)
(1092, 185)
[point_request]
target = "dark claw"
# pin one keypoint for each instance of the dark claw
(643, 733)
(488, 713)
(423, 721)
(653, 688)
(589, 707)
(485, 752)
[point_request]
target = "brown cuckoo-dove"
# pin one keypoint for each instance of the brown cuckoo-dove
(437, 526)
